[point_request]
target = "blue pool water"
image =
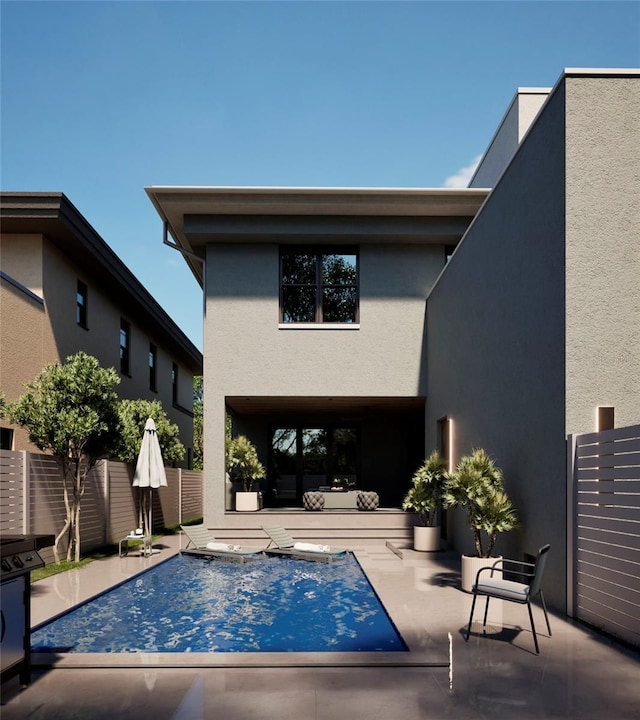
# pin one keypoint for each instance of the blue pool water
(191, 604)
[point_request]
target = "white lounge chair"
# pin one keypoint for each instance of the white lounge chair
(286, 545)
(205, 545)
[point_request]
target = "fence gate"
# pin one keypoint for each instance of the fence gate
(603, 522)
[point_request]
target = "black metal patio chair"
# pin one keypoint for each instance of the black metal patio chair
(519, 592)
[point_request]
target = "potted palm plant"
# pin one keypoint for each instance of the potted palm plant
(243, 466)
(424, 497)
(477, 485)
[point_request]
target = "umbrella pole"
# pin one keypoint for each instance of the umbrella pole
(150, 511)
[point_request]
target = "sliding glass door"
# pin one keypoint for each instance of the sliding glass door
(307, 458)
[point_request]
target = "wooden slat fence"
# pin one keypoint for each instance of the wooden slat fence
(604, 531)
(31, 499)
(13, 473)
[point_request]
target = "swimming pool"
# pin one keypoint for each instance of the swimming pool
(191, 604)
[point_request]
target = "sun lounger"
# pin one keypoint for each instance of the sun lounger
(286, 545)
(205, 545)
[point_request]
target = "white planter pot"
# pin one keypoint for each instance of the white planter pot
(426, 539)
(470, 566)
(247, 502)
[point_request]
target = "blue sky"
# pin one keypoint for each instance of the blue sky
(100, 99)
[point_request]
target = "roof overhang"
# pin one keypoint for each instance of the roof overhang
(198, 216)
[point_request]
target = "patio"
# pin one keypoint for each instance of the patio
(578, 674)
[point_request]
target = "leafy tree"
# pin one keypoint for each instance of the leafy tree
(198, 421)
(71, 410)
(133, 417)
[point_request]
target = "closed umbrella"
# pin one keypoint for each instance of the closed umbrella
(150, 471)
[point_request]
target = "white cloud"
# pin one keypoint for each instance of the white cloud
(463, 176)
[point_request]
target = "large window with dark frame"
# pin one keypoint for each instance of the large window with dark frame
(319, 285)
(304, 458)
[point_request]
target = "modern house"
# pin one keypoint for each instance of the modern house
(64, 290)
(349, 331)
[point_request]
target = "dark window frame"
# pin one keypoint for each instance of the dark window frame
(330, 470)
(125, 347)
(153, 368)
(318, 285)
(174, 382)
(82, 300)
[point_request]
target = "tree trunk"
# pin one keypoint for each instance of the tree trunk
(67, 522)
(477, 539)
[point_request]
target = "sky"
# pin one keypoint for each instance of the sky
(101, 99)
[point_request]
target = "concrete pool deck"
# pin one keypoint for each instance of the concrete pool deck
(578, 674)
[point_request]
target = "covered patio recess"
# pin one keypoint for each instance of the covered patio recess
(336, 445)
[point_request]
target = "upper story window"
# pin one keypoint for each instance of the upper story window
(153, 365)
(125, 343)
(174, 382)
(81, 304)
(319, 285)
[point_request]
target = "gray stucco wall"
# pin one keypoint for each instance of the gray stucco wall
(517, 120)
(603, 249)
(495, 339)
(246, 353)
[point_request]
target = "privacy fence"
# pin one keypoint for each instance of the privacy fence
(31, 499)
(604, 531)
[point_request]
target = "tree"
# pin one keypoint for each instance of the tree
(477, 485)
(425, 494)
(243, 463)
(198, 421)
(71, 410)
(133, 416)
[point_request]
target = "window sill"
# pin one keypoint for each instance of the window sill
(319, 326)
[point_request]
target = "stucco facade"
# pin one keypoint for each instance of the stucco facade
(40, 274)
(516, 340)
(368, 376)
(539, 306)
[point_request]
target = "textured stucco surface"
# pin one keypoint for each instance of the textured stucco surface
(539, 309)
(496, 344)
(603, 250)
(246, 353)
(517, 120)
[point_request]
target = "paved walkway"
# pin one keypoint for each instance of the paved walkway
(578, 674)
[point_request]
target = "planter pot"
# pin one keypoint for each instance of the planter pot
(247, 502)
(470, 566)
(426, 539)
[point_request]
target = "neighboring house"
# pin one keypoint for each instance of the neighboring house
(64, 290)
(344, 341)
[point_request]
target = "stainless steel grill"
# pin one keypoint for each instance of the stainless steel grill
(18, 557)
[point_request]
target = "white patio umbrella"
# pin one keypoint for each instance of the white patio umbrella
(150, 471)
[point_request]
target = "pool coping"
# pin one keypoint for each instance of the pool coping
(238, 660)
(438, 655)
